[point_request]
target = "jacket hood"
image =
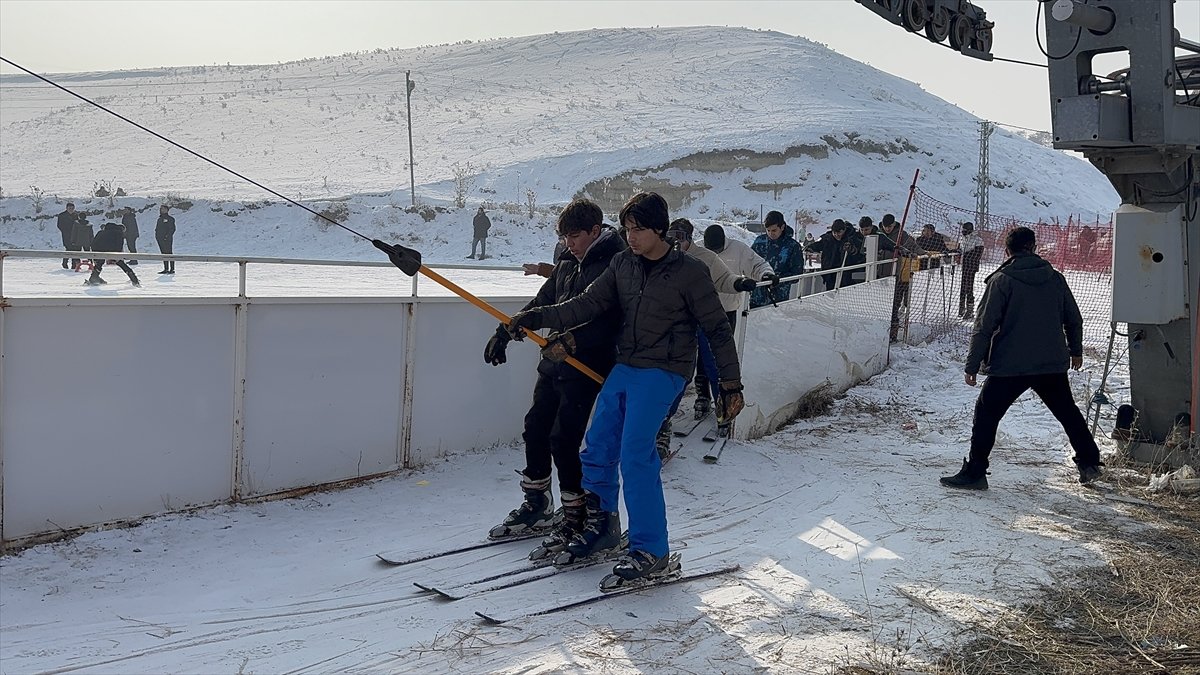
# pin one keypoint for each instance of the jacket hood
(608, 244)
(1028, 268)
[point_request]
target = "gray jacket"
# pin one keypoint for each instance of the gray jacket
(1028, 322)
(659, 313)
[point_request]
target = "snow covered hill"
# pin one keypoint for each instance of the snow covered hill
(723, 121)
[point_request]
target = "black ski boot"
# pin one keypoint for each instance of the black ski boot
(968, 478)
(639, 568)
(703, 406)
(574, 517)
(535, 513)
(601, 533)
(662, 442)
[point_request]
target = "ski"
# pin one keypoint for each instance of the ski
(535, 571)
(688, 426)
(598, 595)
(720, 438)
(388, 559)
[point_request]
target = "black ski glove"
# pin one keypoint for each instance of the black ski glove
(530, 319)
(744, 284)
(559, 347)
(771, 278)
(730, 401)
(493, 353)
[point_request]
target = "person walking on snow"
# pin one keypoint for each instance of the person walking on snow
(482, 224)
(110, 239)
(971, 247)
(164, 234)
(1028, 332)
(563, 396)
(779, 248)
(129, 220)
(663, 295)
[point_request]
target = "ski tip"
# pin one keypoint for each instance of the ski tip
(489, 620)
(387, 561)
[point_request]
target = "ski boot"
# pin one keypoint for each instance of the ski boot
(639, 568)
(535, 513)
(574, 517)
(601, 534)
(703, 406)
(662, 442)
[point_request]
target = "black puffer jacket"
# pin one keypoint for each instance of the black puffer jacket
(110, 238)
(1028, 322)
(659, 313)
(595, 341)
(836, 252)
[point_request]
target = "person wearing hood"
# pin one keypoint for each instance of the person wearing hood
(110, 239)
(563, 396)
(777, 246)
(1028, 332)
(971, 247)
(663, 296)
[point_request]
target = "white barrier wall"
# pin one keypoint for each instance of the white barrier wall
(825, 339)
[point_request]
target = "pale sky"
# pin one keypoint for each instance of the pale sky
(50, 36)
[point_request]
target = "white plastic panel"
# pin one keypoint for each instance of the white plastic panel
(1149, 276)
(114, 412)
(323, 393)
(461, 402)
(840, 338)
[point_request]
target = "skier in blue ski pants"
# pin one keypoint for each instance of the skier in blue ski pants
(631, 405)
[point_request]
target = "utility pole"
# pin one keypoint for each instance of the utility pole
(983, 180)
(409, 85)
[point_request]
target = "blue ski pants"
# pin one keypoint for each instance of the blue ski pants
(708, 366)
(632, 404)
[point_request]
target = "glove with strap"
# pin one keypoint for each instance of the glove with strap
(744, 284)
(729, 401)
(530, 319)
(559, 346)
(494, 352)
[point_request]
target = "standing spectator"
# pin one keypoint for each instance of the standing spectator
(81, 236)
(971, 247)
(836, 248)
(933, 242)
(164, 234)
(129, 220)
(66, 225)
(1087, 243)
(782, 252)
(1028, 332)
(482, 224)
(110, 239)
(894, 242)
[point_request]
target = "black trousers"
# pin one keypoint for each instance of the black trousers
(966, 292)
(131, 243)
(703, 389)
(900, 298)
(98, 266)
(554, 428)
(999, 393)
(165, 246)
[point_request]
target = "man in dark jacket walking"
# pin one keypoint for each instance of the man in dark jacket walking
(164, 234)
(778, 246)
(110, 239)
(563, 396)
(66, 225)
(1028, 332)
(663, 295)
(129, 220)
(482, 224)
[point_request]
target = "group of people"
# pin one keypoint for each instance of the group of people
(113, 237)
(641, 305)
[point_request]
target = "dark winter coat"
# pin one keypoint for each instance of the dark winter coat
(130, 222)
(110, 238)
(81, 233)
(786, 258)
(834, 252)
(660, 312)
(596, 340)
(1028, 322)
(66, 222)
(482, 224)
(933, 243)
(165, 227)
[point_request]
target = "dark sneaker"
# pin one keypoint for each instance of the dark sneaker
(966, 479)
(1087, 474)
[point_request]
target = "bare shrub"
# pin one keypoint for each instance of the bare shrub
(337, 212)
(464, 180)
(39, 197)
(531, 201)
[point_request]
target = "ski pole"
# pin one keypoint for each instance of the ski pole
(409, 262)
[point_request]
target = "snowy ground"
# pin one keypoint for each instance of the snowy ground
(845, 540)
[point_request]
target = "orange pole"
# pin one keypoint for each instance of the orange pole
(504, 318)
